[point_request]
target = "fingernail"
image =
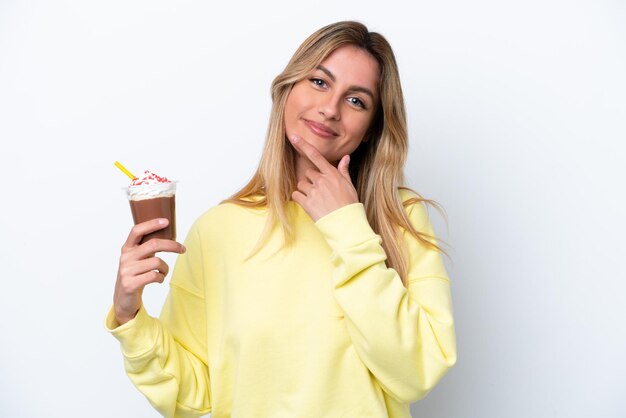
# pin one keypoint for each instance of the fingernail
(184, 249)
(295, 138)
(162, 221)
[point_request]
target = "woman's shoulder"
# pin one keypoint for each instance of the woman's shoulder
(406, 194)
(410, 198)
(415, 206)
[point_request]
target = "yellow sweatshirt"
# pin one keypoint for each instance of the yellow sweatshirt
(320, 329)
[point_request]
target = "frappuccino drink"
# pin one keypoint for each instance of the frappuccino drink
(151, 197)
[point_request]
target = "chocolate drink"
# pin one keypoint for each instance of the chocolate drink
(158, 207)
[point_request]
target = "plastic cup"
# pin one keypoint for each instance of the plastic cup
(152, 201)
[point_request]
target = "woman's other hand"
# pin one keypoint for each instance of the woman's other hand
(139, 266)
(325, 189)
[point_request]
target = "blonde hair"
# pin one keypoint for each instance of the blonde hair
(376, 166)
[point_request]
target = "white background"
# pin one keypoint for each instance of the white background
(517, 120)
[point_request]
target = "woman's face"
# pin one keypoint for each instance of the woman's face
(333, 106)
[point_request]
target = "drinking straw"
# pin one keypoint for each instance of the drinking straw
(125, 171)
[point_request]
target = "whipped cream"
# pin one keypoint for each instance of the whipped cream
(149, 178)
(151, 186)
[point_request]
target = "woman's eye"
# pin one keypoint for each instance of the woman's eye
(357, 102)
(318, 82)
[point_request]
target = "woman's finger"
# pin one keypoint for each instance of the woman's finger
(312, 175)
(128, 291)
(155, 245)
(141, 229)
(299, 198)
(305, 187)
(145, 279)
(343, 167)
(143, 266)
(312, 154)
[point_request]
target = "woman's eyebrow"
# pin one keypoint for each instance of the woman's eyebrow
(352, 88)
(327, 72)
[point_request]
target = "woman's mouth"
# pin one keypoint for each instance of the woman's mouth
(320, 129)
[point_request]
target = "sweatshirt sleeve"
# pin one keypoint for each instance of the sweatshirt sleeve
(405, 336)
(166, 358)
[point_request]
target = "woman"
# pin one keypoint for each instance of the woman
(315, 291)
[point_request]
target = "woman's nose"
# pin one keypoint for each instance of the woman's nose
(329, 107)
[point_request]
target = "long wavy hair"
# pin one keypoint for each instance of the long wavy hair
(376, 166)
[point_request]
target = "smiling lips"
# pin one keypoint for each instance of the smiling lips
(320, 129)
